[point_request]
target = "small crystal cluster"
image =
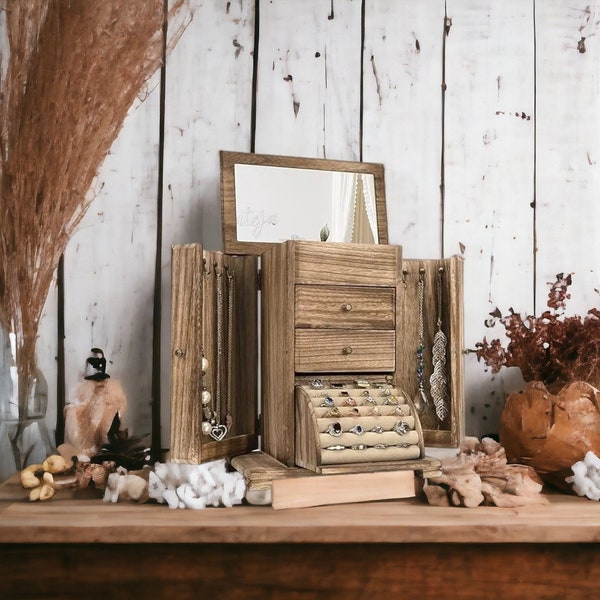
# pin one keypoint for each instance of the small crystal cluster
(549, 348)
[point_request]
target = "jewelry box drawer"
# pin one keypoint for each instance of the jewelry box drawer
(340, 351)
(329, 306)
(331, 263)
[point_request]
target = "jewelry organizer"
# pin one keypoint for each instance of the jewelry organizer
(353, 312)
(342, 428)
(327, 309)
(214, 360)
(356, 317)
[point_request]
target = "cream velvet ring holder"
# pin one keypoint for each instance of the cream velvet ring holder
(355, 424)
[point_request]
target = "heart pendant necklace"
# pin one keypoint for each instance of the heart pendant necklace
(212, 405)
(219, 431)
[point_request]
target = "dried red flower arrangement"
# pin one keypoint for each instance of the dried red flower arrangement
(552, 348)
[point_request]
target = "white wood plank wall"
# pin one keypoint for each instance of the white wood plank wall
(485, 113)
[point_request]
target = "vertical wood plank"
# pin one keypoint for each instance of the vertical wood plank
(109, 267)
(308, 92)
(208, 104)
(489, 166)
(46, 357)
(568, 149)
(402, 116)
(186, 348)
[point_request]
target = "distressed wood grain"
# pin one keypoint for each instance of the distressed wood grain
(109, 267)
(312, 571)
(489, 167)
(568, 149)
(308, 87)
(402, 125)
(208, 102)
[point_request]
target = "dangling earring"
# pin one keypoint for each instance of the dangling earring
(438, 380)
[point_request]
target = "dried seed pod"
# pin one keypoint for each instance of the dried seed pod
(46, 492)
(56, 464)
(29, 479)
(34, 494)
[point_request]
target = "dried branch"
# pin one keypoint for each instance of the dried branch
(551, 348)
(73, 70)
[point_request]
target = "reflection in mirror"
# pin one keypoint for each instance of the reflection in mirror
(327, 205)
(269, 199)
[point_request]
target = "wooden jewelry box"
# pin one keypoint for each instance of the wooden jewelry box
(328, 309)
(348, 312)
(344, 313)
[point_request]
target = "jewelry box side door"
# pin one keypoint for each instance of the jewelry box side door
(440, 308)
(214, 349)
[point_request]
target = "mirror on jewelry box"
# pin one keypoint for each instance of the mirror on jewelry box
(267, 199)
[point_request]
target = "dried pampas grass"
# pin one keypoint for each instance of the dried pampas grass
(71, 71)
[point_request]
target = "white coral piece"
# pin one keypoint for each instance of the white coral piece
(196, 486)
(586, 477)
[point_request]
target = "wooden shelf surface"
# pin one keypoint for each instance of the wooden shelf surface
(66, 519)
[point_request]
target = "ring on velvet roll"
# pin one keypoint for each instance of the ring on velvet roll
(359, 447)
(336, 447)
(349, 402)
(377, 429)
(365, 393)
(381, 446)
(357, 429)
(334, 429)
(327, 402)
(399, 410)
(391, 401)
(401, 428)
(386, 392)
(333, 412)
(369, 400)
(374, 411)
(355, 412)
(363, 383)
(316, 384)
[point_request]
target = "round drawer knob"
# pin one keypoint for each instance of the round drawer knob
(346, 307)
(347, 350)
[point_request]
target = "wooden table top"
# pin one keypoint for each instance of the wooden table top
(69, 519)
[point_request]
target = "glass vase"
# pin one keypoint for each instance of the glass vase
(24, 437)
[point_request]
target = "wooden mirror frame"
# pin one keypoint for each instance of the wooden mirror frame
(228, 161)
